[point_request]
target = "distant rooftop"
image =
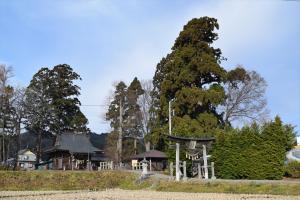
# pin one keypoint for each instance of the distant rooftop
(150, 154)
(74, 143)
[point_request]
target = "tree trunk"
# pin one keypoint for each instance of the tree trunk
(18, 132)
(135, 148)
(3, 146)
(8, 147)
(39, 147)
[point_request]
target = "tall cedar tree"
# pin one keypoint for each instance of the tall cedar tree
(64, 93)
(131, 114)
(133, 122)
(39, 114)
(191, 75)
(52, 106)
(113, 115)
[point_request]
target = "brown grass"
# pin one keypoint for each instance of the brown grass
(84, 180)
(62, 180)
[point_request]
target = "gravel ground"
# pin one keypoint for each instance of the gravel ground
(118, 194)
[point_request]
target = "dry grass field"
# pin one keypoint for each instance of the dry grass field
(115, 185)
(118, 194)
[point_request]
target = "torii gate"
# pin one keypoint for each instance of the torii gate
(194, 146)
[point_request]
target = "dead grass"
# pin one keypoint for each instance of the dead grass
(62, 180)
(226, 187)
(84, 180)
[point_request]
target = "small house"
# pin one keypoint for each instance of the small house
(26, 159)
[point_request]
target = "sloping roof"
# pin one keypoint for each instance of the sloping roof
(22, 151)
(150, 154)
(74, 143)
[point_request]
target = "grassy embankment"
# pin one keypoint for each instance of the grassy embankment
(68, 180)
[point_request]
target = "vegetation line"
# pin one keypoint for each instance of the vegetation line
(83, 180)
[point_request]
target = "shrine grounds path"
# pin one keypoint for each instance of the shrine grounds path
(124, 185)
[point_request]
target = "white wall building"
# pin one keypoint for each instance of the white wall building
(26, 159)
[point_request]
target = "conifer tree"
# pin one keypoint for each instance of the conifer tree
(52, 105)
(191, 75)
(132, 126)
(64, 94)
(133, 121)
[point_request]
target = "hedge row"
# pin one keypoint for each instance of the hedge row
(253, 152)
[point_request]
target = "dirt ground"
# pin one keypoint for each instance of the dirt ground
(118, 194)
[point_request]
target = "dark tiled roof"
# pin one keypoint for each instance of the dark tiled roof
(150, 154)
(74, 143)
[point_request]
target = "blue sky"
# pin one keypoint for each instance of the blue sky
(106, 41)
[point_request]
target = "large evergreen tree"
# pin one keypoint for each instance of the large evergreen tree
(125, 98)
(191, 75)
(134, 123)
(119, 99)
(52, 105)
(39, 115)
(64, 94)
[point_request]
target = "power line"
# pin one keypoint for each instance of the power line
(93, 105)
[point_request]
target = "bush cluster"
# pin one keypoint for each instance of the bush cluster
(292, 169)
(253, 152)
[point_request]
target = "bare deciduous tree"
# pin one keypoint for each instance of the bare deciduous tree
(245, 99)
(6, 72)
(18, 112)
(145, 104)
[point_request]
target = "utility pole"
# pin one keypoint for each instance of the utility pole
(119, 148)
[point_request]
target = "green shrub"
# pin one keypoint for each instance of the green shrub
(254, 152)
(292, 169)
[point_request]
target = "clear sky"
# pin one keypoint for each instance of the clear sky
(106, 41)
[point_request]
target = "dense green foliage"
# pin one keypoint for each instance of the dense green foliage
(255, 152)
(292, 169)
(52, 102)
(192, 79)
(52, 105)
(191, 75)
(199, 88)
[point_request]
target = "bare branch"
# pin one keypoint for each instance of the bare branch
(245, 99)
(145, 103)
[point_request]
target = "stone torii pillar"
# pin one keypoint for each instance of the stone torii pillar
(205, 162)
(177, 162)
(199, 171)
